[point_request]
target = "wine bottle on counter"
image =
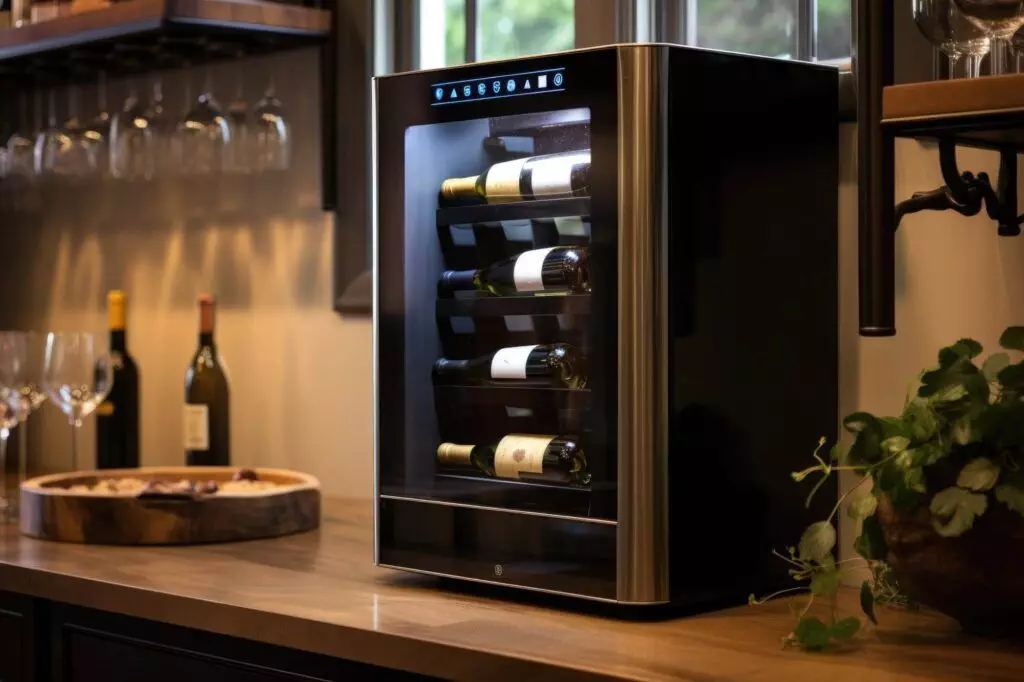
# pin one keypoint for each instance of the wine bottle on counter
(562, 269)
(117, 420)
(207, 422)
(547, 459)
(536, 177)
(556, 365)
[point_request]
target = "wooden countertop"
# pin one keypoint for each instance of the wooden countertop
(320, 592)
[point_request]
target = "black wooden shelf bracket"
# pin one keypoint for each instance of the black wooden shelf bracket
(966, 193)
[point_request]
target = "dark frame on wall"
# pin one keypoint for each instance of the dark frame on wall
(346, 70)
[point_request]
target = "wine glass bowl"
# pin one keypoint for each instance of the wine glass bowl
(1000, 19)
(203, 136)
(77, 377)
(948, 30)
(273, 137)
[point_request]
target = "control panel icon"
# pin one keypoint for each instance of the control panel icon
(467, 91)
(557, 80)
(481, 89)
(438, 94)
(510, 85)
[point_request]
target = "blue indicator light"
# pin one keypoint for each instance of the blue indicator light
(504, 86)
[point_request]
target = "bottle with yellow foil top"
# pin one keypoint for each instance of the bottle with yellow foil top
(117, 423)
(538, 177)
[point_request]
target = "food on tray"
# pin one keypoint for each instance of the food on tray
(243, 481)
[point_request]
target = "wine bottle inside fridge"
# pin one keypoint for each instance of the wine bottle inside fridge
(117, 418)
(538, 177)
(547, 459)
(556, 365)
(207, 414)
(556, 269)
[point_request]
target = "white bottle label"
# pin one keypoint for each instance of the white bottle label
(554, 176)
(503, 181)
(528, 269)
(197, 427)
(519, 453)
(510, 363)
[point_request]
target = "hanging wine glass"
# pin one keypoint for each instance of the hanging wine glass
(51, 142)
(75, 159)
(950, 32)
(21, 144)
(273, 137)
(203, 134)
(240, 147)
(1000, 19)
(161, 133)
(97, 132)
(131, 141)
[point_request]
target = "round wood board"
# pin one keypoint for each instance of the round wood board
(51, 512)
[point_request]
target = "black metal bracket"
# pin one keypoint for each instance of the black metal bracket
(965, 192)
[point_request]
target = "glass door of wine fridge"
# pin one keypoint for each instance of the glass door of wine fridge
(496, 295)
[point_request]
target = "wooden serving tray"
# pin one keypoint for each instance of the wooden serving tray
(51, 512)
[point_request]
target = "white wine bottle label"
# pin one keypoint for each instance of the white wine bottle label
(510, 363)
(552, 176)
(527, 273)
(503, 181)
(197, 427)
(518, 454)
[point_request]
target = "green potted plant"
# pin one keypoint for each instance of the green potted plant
(944, 520)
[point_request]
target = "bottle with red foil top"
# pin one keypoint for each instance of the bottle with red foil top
(207, 424)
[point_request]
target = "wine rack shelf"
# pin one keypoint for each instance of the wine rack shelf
(979, 112)
(518, 210)
(145, 34)
(499, 306)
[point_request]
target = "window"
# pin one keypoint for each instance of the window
(504, 29)
(455, 31)
(773, 27)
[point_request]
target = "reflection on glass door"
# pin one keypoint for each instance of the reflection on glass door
(498, 385)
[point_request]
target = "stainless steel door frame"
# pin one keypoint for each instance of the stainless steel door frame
(642, 559)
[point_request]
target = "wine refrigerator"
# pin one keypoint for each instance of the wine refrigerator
(605, 320)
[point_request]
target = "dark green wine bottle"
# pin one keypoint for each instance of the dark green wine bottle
(556, 365)
(547, 459)
(562, 269)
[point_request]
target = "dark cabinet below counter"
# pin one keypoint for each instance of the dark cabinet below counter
(44, 640)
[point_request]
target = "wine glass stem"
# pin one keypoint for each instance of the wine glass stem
(998, 52)
(4, 434)
(953, 59)
(23, 453)
(74, 446)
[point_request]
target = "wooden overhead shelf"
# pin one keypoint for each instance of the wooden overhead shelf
(157, 32)
(980, 112)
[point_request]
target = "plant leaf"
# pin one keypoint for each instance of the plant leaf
(812, 633)
(954, 510)
(967, 348)
(825, 583)
(961, 431)
(870, 544)
(980, 473)
(994, 364)
(862, 507)
(817, 541)
(1012, 338)
(867, 601)
(895, 444)
(949, 394)
(1012, 496)
(846, 628)
(920, 420)
(858, 421)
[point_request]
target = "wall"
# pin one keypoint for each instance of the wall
(300, 375)
(955, 277)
